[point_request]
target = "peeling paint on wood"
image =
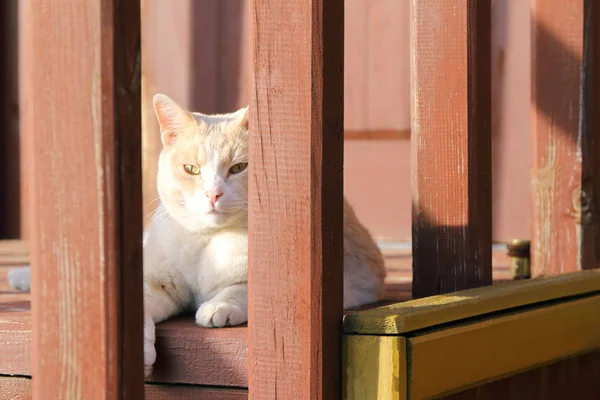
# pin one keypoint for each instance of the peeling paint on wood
(563, 223)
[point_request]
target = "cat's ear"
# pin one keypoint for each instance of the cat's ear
(242, 115)
(172, 118)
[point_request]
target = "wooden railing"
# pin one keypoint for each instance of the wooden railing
(81, 112)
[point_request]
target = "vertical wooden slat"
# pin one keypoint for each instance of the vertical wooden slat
(82, 112)
(451, 145)
(296, 148)
(562, 217)
(10, 206)
(24, 167)
(591, 133)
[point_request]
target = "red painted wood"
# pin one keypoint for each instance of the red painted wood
(18, 388)
(451, 146)
(81, 97)
(295, 207)
(564, 216)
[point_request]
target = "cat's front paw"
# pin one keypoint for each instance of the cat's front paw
(149, 347)
(149, 357)
(219, 314)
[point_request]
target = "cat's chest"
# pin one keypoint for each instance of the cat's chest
(218, 258)
(192, 252)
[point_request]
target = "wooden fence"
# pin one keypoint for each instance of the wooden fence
(82, 116)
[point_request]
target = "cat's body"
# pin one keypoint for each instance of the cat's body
(196, 250)
(185, 271)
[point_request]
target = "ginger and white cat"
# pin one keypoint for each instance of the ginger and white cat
(196, 250)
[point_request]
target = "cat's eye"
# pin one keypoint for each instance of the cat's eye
(237, 168)
(191, 169)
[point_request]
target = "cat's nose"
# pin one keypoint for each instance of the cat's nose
(213, 196)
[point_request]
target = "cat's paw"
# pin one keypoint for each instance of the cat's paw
(149, 357)
(149, 340)
(20, 278)
(219, 314)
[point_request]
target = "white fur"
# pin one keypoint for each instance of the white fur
(20, 278)
(208, 273)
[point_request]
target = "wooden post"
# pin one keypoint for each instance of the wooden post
(563, 215)
(451, 145)
(10, 205)
(591, 133)
(296, 148)
(81, 77)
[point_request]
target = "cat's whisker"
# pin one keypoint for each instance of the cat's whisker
(163, 198)
(158, 214)
(153, 201)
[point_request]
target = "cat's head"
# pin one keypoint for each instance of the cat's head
(202, 170)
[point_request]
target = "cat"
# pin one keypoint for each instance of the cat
(196, 253)
(196, 249)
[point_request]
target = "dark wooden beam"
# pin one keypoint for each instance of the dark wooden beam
(11, 226)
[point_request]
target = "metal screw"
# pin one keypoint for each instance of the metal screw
(519, 253)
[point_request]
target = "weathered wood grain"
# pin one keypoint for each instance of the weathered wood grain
(14, 388)
(15, 337)
(451, 145)
(295, 205)
(169, 392)
(81, 77)
(19, 388)
(187, 354)
(193, 355)
(563, 186)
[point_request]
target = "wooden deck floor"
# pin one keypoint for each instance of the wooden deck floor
(187, 354)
